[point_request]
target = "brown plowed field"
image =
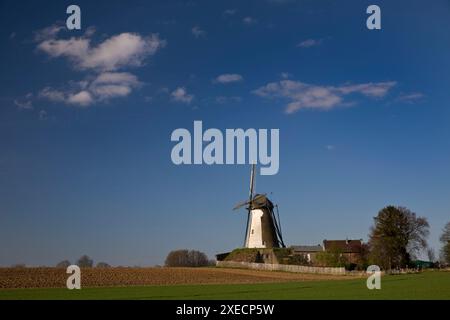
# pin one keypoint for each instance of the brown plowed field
(55, 278)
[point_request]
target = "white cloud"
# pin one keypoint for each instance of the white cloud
(330, 147)
(228, 78)
(105, 86)
(24, 103)
(52, 94)
(47, 33)
(310, 43)
(82, 98)
(410, 97)
(285, 75)
(249, 20)
(371, 89)
(197, 32)
(103, 60)
(306, 96)
(113, 84)
(180, 94)
(116, 52)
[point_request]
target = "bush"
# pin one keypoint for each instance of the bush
(299, 260)
(331, 258)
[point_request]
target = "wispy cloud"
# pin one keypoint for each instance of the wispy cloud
(228, 78)
(310, 43)
(227, 100)
(47, 33)
(105, 86)
(24, 103)
(285, 75)
(280, 1)
(43, 115)
(330, 147)
(307, 96)
(180, 94)
(197, 32)
(410, 97)
(249, 20)
(229, 12)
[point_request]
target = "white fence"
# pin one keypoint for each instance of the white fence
(280, 267)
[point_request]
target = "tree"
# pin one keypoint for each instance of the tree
(103, 265)
(397, 234)
(186, 258)
(431, 255)
(63, 264)
(197, 259)
(445, 240)
(85, 262)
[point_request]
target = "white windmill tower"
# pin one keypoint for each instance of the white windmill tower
(263, 228)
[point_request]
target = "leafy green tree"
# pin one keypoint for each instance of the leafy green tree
(333, 257)
(396, 236)
(445, 240)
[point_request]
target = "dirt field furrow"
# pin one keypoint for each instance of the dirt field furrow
(108, 277)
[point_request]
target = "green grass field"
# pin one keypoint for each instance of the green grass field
(427, 285)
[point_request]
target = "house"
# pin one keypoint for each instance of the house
(309, 252)
(352, 250)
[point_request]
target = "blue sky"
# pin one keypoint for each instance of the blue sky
(86, 118)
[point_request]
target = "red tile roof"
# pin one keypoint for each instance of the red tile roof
(346, 246)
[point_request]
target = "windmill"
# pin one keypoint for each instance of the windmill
(263, 227)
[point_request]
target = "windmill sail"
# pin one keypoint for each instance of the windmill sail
(252, 186)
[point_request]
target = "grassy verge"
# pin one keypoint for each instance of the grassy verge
(427, 285)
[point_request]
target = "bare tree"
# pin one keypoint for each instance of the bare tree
(85, 262)
(186, 258)
(445, 240)
(63, 264)
(431, 255)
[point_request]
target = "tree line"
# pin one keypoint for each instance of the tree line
(83, 262)
(396, 239)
